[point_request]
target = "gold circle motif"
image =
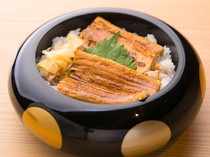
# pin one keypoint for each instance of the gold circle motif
(42, 124)
(145, 138)
(202, 80)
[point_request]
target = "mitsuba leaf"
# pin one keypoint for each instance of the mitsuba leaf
(110, 49)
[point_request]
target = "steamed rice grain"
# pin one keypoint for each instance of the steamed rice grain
(166, 67)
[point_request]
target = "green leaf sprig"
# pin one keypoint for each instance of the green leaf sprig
(110, 49)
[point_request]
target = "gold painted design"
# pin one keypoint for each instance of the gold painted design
(42, 124)
(202, 80)
(145, 138)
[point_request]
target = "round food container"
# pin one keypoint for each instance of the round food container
(87, 129)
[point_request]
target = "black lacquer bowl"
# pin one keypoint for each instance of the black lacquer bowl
(87, 129)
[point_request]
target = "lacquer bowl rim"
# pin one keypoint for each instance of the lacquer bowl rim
(64, 103)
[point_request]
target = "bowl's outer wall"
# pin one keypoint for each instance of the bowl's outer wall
(102, 132)
(113, 119)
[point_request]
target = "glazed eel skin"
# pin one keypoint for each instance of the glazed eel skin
(99, 80)
(141, 49)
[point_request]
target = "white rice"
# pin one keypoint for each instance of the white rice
(167, 68)
(151, 37)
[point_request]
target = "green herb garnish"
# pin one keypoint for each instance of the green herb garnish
(111, 50)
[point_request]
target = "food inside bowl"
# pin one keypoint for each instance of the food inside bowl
(105, 64)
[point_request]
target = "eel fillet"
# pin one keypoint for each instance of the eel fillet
(141, 49)
(97, 94)
(99, 80)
